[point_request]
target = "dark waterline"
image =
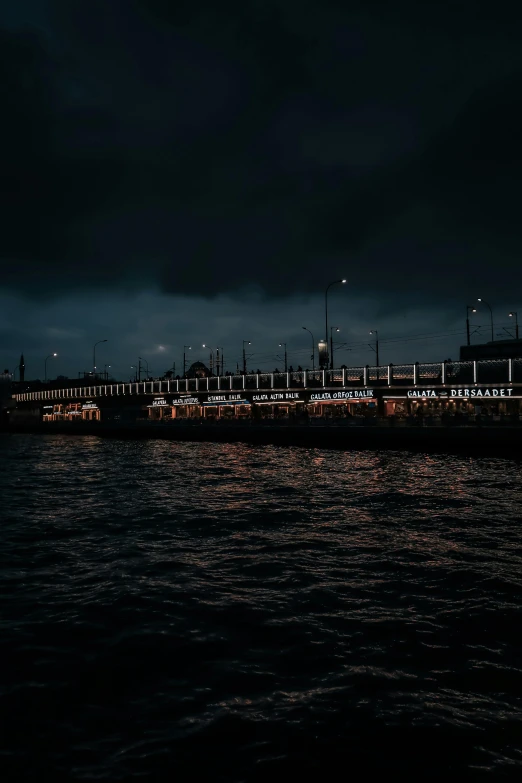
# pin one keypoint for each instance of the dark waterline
(229, 612)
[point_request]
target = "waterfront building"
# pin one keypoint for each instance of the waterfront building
(462, 389)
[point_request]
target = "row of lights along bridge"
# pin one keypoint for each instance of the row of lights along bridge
(325, 358)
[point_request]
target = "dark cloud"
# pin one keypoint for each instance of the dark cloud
(205, 147)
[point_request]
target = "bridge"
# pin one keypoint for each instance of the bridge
(405, 379)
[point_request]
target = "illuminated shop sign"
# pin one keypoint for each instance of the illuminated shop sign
(225, 398)
(185, 401)
(277, 397)
(353, 394)
(89, 406)
(465, 393)
(481, 392)
(159, 402)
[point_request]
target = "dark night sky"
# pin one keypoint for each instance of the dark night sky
(183, 172)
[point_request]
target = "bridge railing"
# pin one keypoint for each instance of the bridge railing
(487, 371)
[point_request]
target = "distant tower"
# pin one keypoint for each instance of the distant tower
(21, 369)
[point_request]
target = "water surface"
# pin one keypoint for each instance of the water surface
(229, 612)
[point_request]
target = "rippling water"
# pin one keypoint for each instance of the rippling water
(227, 613)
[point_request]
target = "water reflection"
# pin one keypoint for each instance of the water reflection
(200, 583)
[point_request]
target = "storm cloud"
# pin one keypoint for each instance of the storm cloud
(208, 148)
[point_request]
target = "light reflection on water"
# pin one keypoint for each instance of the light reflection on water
(257, 610)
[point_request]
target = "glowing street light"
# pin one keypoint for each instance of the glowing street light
(469, 309)
(376, 349)
(286, 362)
(245, 342)
(211, 356)
(45, 364)
(185, 348)
(94, 354)
(515, 316)
(491, 315)
(337, 329)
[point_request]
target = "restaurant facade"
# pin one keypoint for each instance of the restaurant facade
(338, 404)
(395, 402)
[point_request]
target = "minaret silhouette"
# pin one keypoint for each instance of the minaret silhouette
(21, 368)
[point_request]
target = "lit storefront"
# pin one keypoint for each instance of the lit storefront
(64, 412)
(185, 406)
(490, 400)
(90, 411)
(160, 409)
(343, 404)
(278, 405)
(399, 402)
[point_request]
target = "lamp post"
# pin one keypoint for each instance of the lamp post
(515, 316)
(334, 282)
(45, 364)
(286, 362)
(491, 315)
(211, 357)
(94, 354)
(218, 349)
(376, 349)
(331, 345)
(133, 367)
(185, 348)
(313, 347)
(105, 366)
(245, 342)
(469, 309)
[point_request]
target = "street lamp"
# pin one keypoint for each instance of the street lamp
(331, 344)
(218, 349)
(286, 362)
(133, 367)
(313, 348)
(105, 368)
(245, 342)
(334, 282)
(376, 349)
(491, 315)
(469, 309)
(185, 348)
(515, 316)
(94, 354)
(211, 356)
(45, 364)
